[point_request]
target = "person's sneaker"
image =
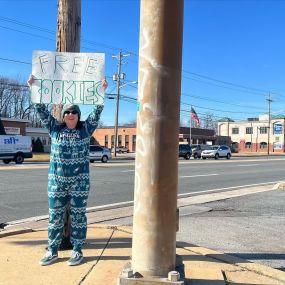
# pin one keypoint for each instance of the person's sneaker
(75, 259)
(48, 258)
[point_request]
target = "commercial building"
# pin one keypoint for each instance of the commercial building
(255, 134)
(15, 126)
(127, 136)
(104, 136)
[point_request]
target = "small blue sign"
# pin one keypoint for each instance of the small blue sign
(277, 129)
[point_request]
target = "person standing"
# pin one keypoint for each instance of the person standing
(68, 175)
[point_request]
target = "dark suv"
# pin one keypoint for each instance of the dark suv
(185, 151)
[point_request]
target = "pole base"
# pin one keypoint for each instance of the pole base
(128, 277)
(147, 281)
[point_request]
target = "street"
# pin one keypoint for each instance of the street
(250, 226)
(23, 187)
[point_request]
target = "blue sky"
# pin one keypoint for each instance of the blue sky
(233, 51)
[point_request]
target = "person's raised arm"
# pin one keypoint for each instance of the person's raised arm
(46, 118)
(92, 121)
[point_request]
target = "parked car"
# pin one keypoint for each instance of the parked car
(121, 149)
(216, 152)
(185, 151)
(98, 152)
(198, 148)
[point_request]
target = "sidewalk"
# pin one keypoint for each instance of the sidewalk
(108, 250)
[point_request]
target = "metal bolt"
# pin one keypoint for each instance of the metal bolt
(127, 273)
(173, 276)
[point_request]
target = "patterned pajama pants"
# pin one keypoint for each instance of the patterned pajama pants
(59, 195)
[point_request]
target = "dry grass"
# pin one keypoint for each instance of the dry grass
(39, 157)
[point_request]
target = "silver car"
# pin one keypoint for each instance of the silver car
(98, 152)
(217, 151)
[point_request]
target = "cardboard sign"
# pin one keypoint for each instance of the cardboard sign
(68, 78)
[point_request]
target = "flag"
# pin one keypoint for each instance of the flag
(194, 116)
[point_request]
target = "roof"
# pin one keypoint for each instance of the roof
(15, 120)
(36, 130)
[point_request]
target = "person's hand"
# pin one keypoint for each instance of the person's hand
(104, 84)
(31, 80)
(99, 109)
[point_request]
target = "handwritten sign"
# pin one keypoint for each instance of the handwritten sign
(68, 78)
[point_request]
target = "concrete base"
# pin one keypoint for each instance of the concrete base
(148, 281)
(128, 277)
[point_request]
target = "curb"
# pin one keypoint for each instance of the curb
(239, 262)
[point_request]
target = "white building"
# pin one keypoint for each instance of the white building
(255, 134)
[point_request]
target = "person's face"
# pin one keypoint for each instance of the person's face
(71, 118)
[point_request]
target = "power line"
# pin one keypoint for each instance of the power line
(224, 82)
(218, 101)
(241, 87)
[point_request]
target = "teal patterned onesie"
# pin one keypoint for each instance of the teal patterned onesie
(68, 177)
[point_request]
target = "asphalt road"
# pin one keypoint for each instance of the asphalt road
(23, 187)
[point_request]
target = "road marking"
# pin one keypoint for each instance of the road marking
(128, 170)
(247, 165)
(201, 175)
(23, 167)
(222, 189)
(131, 203)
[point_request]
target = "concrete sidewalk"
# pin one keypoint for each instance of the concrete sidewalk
(107, 250)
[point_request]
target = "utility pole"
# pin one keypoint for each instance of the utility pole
(68, 40)
(190, 131)
(118, 77)
(156, 174)
(269, 122)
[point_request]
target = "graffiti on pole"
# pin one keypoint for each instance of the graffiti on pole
(68, 78)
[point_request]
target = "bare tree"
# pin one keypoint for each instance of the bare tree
(209, 122)
(15, 99)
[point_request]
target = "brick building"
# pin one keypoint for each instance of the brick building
(127, 136)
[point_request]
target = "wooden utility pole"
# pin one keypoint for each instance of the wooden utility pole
(156, 174)
(68, 32)
(68, 40)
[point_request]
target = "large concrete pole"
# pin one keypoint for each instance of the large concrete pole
(155, 201)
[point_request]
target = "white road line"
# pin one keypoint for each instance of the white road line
(201, 175)
(128, 170)
(247, 165)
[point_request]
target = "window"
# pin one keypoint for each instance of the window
(112, 140)
(248, 145)
(263, 145)
(235, 145)
(248, 131)
(127, 140)
(96, 148)
(119, 140)
(106, 141)
(134, 139)
(263, 130)
(235, 131)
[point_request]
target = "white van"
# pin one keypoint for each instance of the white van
(15, 148)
